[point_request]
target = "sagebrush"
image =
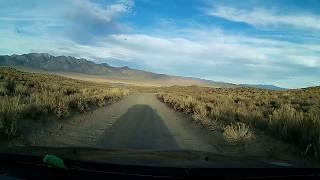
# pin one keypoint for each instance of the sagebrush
(36, 96)
(292, 115)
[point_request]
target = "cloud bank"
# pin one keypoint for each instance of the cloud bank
(261, 17)
(98, 31)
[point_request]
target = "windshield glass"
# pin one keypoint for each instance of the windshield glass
(234, 83)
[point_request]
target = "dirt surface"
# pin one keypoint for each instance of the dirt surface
(141, 121)
(137, 122)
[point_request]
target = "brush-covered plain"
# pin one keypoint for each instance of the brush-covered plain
(30, 96)
(291, 115)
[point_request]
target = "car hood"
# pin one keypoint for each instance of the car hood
(161, 158)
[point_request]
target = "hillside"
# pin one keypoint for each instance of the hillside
(68, 66)
(263, 86)
(27, 97)
(86, 70)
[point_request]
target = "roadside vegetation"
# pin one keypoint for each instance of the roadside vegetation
(292, 115)
(26, 97)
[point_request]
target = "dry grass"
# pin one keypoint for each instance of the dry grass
(292, 115)
(238, 133)
(37, 96)
(10, 108)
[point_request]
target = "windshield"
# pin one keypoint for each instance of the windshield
(236, 83)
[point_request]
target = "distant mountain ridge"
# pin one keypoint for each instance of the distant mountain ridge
(69, 64)
(47, 62)
(264, 86)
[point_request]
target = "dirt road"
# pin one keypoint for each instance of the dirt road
(136, 122)
(142, 122)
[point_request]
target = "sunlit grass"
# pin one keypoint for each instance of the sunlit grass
(35, 96)
(238, 133)
(292, 115)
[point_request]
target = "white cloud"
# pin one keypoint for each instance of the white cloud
(262, 17)
(200, 51)
(306, 60)
(95, 12)
(219, 48)
(213, 54)
(203, 53)
(81, 20)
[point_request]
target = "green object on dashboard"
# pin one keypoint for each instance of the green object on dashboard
(54, 161)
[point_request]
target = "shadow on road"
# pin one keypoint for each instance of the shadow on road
(139, 128)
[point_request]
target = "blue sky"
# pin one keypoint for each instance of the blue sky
(263, 42)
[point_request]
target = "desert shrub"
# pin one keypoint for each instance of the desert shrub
(90, 101)
(115, 93)
(61, 109)
(215, 112)
(68, 91)
(3, 89)
(22, 90)
(9, 114)
(188, 103)
(205, 121)
(275, 104)
(238, 133)
(82, 106)
(291, 115)
(287, 121)
(200, 111)
(34, 111)
(41, 95)
(200, 114)
(98, 100)
(11, 87)
(256, 119)
(44, 99)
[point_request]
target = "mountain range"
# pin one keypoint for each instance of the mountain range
(80, 67)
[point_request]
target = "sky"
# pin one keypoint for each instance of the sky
(243, 42)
